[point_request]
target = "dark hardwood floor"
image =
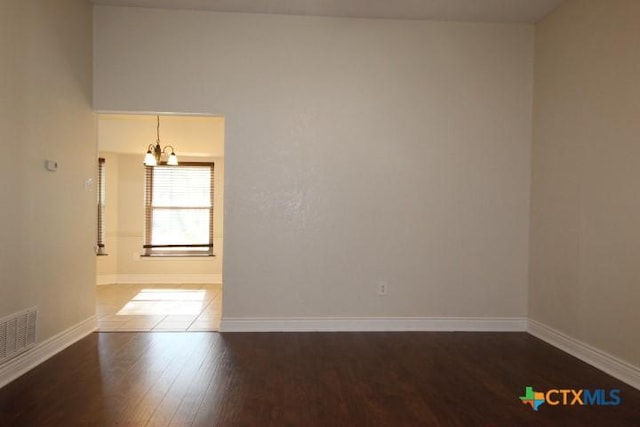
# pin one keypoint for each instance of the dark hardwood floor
(308, 379)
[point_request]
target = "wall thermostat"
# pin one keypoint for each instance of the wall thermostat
(51, 165)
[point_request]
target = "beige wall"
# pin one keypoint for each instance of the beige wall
(585, 232)
(201, 136)
(194, 139)
(48, 235)
(356, 151)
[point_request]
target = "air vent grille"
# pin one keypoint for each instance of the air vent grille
(17, 333)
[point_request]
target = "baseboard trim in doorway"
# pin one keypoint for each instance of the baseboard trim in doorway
(599, 359)
(21, 364)
(373, 324)
(158, 279)
(107, 279)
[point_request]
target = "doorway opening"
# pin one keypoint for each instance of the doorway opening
(160, 228)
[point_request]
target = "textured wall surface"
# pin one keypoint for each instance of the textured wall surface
(585, 232)
(355, 150)
(47, 256)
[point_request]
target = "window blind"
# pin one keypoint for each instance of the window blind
(101, 193)
(179, 209)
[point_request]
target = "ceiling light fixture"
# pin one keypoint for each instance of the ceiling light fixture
(155, 152)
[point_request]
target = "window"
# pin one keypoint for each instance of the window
(179, 210)
(100, 248)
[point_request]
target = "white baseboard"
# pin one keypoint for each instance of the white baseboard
(42, 351)
(106, 279)
(369, 324)
(597, 358)
(158, 279)
(613, 366)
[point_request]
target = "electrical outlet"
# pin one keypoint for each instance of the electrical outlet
(382, 288)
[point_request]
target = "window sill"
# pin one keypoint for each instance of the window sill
(182, 256)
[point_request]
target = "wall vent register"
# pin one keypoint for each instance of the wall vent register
(17, 333)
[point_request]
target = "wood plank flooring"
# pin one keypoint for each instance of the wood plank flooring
(308, 379)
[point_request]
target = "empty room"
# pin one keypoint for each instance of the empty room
(422, 213)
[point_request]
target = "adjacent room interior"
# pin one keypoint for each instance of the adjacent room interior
(151, 273)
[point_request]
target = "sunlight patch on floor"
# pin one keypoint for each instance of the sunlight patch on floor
(165, 301)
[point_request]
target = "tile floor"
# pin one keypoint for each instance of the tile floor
(167, 308)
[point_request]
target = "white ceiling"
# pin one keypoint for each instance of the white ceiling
(507, 11)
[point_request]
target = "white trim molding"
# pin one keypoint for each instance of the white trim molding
(21, 364)
(372, 324)
(106, 279)
(599, 359)
(158, 279)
